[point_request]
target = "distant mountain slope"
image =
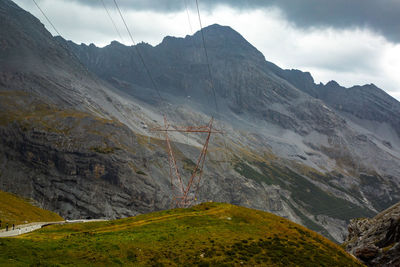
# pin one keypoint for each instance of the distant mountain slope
(243, 82)
(366, 102)
(361, 104)
(355, 130)
(209, 234)
(15, 210)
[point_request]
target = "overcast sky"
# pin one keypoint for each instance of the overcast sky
(350, 41)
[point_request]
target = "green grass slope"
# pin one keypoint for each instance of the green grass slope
(210, 234)
(16, 210)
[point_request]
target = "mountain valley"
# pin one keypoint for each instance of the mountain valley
(75, 123)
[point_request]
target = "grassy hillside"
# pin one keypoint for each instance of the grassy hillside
(210, 234)
(15, 210)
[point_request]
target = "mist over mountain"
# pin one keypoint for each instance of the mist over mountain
(75, 122)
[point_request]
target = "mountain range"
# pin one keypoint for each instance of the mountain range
(75, 123)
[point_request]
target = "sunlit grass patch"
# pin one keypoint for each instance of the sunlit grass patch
(210, 234)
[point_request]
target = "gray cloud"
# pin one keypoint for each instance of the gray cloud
(381, 16)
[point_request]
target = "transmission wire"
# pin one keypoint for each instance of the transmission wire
(48, 20)
(208, 62)
(211, 77)
(113, 22)
(66, 46)
(138, 52)
(188, 16)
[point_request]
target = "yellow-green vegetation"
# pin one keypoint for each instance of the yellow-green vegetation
(15, 210)
(105, 150)
(188, 164)
(210, 234)
(28, 110)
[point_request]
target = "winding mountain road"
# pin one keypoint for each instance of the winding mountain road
(30, 227)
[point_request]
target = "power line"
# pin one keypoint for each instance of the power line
(191, 32)
(113, 22)
(208, 62)
(48, 20)
(138, 52)
(211, 77)
(188, 17)
(66, 45)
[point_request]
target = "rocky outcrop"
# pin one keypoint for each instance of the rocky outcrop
(376, 241)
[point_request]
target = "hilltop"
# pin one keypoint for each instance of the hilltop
(16, 210)
(210, 234)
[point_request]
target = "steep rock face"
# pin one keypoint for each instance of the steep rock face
(75, 163)
(376, 241)
(365, 103)
(361, 104)
(370, 102)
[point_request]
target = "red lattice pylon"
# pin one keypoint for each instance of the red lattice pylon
(185, 194)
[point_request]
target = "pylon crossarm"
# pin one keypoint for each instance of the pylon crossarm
(185, 129)
(181, 131)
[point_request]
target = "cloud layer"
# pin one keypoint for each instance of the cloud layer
(381, 16)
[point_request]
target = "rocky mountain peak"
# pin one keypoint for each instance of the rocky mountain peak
(332, 84)
(223, 33)
(115, 43)
(222, 38)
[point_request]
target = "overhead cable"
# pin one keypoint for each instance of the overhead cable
(48, 20)
(138, 52)
(63, 45)
(112, 20)
(188, 16)
(211, 78)
(208, 62)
